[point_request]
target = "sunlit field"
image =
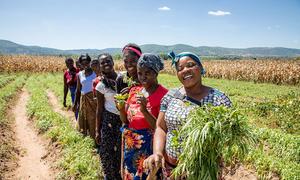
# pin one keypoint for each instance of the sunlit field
(267, 92)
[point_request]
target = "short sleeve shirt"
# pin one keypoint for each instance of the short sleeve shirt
(109, 94)
(176, 106)
(134, 115)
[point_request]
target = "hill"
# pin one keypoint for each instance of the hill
(8, 47)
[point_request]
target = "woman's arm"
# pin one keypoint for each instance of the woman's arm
(123, 114)
(65, 91)
(77, 96)
(156, 160)
(148, 116)
(159, 140)
(99, 111)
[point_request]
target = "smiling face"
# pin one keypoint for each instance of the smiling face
(188, 72)
(85, 64)
(130, 63)
(106, 64)
(147, 77)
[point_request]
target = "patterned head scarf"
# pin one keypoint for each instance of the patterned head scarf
(175, 58)
(151, 61)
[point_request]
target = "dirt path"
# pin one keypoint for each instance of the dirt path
(31, 163)
(54, 102)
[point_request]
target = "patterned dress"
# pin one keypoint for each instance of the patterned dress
(137, 134)
(176, 111)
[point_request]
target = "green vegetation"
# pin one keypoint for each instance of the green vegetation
(210, 135)
(274, 112)
(78, 160)
(7, 92)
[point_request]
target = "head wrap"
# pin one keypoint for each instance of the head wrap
(151, 61)
(176, 58)
(136, 51)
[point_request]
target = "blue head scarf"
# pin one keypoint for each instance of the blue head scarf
(175, 58)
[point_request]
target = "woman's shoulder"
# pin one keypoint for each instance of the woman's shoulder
(220, 97)
(174, 93)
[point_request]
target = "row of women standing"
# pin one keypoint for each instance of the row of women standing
(135, 136)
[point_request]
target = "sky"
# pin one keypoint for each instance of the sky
(99, 24)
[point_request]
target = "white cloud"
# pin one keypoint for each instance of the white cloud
(165, 8)
(218, 13)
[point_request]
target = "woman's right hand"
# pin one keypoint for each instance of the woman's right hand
(154, 162)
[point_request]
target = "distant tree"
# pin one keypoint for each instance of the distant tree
(164, 56)
(117, 57)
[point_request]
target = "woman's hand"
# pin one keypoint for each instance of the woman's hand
(74, 108)
(64, 103)
(154, 162)
(120, 105)
(140, 99)
(97, 137)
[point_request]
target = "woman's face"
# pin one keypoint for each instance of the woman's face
(95, 67)
(69, 64)
(146, 76)
(130, 63)
(188, 72)
(85, 64)
(106, 64)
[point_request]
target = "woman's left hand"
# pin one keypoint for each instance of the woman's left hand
(140, 99)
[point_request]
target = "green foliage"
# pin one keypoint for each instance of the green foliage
(285, 107)
(7, 91)
(209, 135)
(78, 160)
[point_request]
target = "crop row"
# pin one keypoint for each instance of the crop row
(78, 159)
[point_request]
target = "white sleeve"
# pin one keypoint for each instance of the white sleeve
(100, 88)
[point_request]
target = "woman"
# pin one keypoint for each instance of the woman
(70, 81)
(95, 65)
(139, 116)
(174, 111)
(108, 123)
(131, 54)
(84, 96)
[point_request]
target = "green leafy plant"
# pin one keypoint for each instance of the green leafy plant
(212, 135)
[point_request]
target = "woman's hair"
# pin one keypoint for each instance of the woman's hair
(107, 55)
(133, 49)
(95, 61)
(69, 59)
(84, 57)
(151, 61)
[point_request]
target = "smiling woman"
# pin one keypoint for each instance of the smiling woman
(175, 107)
(139, 116)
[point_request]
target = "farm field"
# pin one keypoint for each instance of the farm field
(272, 110)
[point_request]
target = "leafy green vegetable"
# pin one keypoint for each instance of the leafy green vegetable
(209, 136)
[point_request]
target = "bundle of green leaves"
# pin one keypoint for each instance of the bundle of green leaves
(212, 136)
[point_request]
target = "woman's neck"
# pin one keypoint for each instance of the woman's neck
(111, 75)
(88, 71)
(197, 92)
(152, 88)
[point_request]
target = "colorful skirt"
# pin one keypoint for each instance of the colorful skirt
(87, 114)
(137, 146)
(110, 145)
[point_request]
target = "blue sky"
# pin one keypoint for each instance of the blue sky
(70, 24)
